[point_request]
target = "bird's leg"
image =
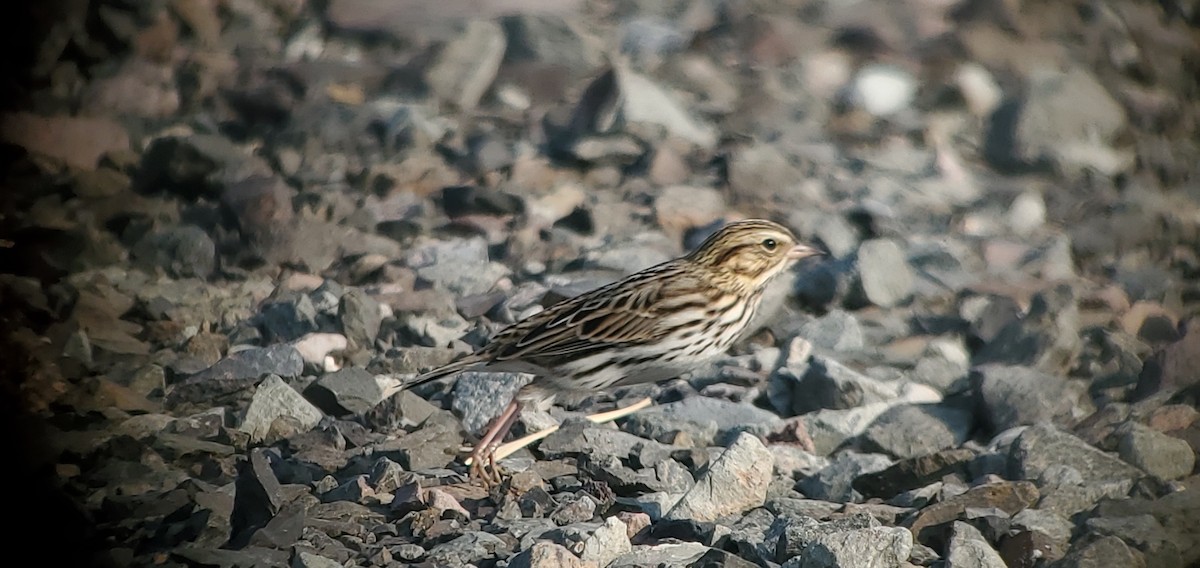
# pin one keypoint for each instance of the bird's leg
(505, 450)
(483, 460)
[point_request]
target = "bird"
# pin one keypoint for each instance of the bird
(650, 326)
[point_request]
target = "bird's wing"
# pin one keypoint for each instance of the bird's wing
(623, 313)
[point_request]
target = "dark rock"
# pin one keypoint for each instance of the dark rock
(911, 430)
(288, 321)
(1172, 368)
(182, 252)
(1019, 396)
(913, 473)
(248, 556)
(1047, 338)
(1163, 529)
(351, 390)
(433, 446)
(1010, 497)
(833, 483)
(257, 500)
(239, 371)
(835, 545)
(826, 383)
(576, 508)
(360, 317)
(1102, 552)
(577, 438)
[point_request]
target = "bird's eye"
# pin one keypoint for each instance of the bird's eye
(769, 244)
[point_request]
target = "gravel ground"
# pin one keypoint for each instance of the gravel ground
(230, 225)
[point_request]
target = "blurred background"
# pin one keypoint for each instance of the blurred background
(1003, 184)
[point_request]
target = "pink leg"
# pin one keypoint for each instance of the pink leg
(483, 463)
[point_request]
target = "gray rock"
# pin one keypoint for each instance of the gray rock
(883, 90)
(1155, 453)
(360, 317)
(575, 508)
(1047, 338)
(837, 330)
(829, 429)
(467, 66)
(736, 482)
(915, 473)
(432, 446)
(887, 279)
(577, 438)
(481, 396)
(644, 101)
(834, 482)
(911, 430)
(667, 476)
(703, 418)
(437, 331)
(288, 320)
(874, 546)
(304, 559)
(670, 554)
(607, 543)
(547, 39)
(1067, 119)
(968, 549)
(1019, 396)
(182, 252)
(944, 366)
(351, 390)
(275, 400)
(793, 461)
(257, 497)
(461, 266)
(245, 367)
(471, 548)
(1043, 449)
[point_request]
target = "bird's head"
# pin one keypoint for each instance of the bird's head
(751, 252)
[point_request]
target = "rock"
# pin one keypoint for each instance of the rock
(77, 141)
(432, 446)
(257, 497)
(315, 347)
(182, 252)
(643, 101)
(702, 417)
(1036, 534)
(576, 508)
(837, 331)
(679, 208)
(1043, 449)
(887, 279)
(1027, 213)
(1047, 338)
(308, 560)
(249, 365)
(1007, 496)
(1019, 396)
(1171, 368)
(968, 549)
(461, 266)
(275, 400)
(794, 461)
(474, 547)
(831, 546)
(360, 317)
(544, 554)
(735, 482)
(826, 383)
(1067, 119)
(436, 331)
(1155, 453)
(467, 66)
(1103, 552)
(607, 543)
(833, 483)
(913, 473)
(829, 429)
(671, 554)
(349, 391)
(582, 438)
(911, 430)
(481, 396)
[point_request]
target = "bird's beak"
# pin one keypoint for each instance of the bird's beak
(804, 251)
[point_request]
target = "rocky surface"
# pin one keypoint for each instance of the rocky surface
(229, 228)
